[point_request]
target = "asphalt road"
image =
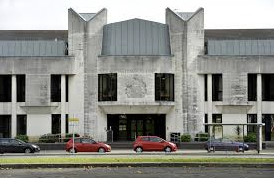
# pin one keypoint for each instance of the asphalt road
(141, 172)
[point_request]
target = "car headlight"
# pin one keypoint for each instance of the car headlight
(34, 146)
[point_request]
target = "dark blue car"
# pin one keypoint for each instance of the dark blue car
(225, 145)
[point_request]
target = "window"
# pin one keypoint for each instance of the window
(252, 87)
(107, 87)
(155, 139)
(251, 118)
(67, 123)
(21, 85)
(268, 87)
(56, 123)
(5, 126)
(205, 82)
(55, 88)
(145, 139)
(217, 129)
(21, 124)
(217, 87)
(217, 118)
(67, 88)
(5, 88)
(164, 87)
(206, 121)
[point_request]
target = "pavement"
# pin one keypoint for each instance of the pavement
(118, 153)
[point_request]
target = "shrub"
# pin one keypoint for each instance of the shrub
(24, 138)
(69, 136)
(186, 138)
(201, 137)
(250, 137)
(49, 138)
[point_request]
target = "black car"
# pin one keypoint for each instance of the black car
(11, 145)
(225, 144)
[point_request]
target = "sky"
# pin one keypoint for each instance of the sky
(53, 14)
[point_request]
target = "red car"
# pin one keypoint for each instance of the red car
(86, 145)
(153, 143)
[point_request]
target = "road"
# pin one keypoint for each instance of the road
(141, 172)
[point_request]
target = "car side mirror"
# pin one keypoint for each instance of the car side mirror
(162, 141)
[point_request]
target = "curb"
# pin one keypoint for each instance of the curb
(92, 165)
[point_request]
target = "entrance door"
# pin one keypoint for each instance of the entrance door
(136, 128)
(129, 126)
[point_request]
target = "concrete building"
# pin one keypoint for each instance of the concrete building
(135, 77)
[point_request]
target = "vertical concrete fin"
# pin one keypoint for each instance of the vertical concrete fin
(71, 11)
(93, 48)
(102, 12)
(198, 12)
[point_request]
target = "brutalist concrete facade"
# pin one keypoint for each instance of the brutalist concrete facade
(185, 58)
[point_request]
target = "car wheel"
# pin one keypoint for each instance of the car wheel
(209, 149)
(101, 150)
(139, 149)
(72, 150)
(27, 150)
(167, 149)
(239, 149)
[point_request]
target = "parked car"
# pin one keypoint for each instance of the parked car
(153, 143)
(86, 145)
(225, 144)
(11, 145)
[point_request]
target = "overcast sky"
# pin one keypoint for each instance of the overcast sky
(52, 14)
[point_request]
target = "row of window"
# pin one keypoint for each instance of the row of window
(267, 87)
(5, 88)
(21, 126)
(164, 87)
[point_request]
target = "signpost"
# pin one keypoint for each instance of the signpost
(73, 122)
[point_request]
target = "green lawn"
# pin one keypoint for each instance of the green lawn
(79, 160)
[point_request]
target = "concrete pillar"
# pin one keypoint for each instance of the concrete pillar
(63, 104)
(13, 102)
(209, 102)
(259, 98)
(209, 98)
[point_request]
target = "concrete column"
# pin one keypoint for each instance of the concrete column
(259, 98)
(209, 98)
(13, 102)
(209, 102)
(63, 104)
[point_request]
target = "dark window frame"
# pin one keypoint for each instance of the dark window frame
(251, 118)
(164, 87)
(55, 88)
(5, 88)
(56, 123)
(206, 122)
(217, 88)
(21, 88)
(21, 129)
(107, 87)
(205, 85)
(252, 87)
(67, 88)
(267, 87)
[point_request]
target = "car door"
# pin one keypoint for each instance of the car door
(16, 146)
(87, 145)
(156, 144)
(4, 145)
(145, 143)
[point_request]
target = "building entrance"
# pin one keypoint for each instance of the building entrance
(126, 127)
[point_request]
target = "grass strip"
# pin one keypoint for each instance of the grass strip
(79, 160)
